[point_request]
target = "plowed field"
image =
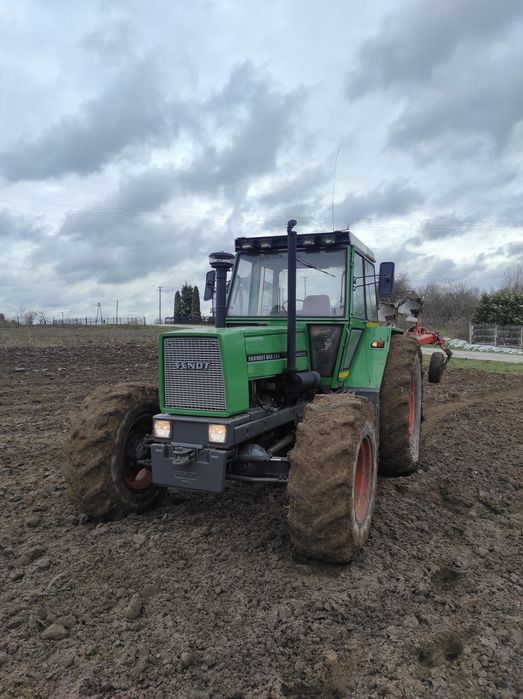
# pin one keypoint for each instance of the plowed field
(204, 597)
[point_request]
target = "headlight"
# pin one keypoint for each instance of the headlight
(162, 429)
(218, 433)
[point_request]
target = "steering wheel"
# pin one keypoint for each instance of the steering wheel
(284, 303)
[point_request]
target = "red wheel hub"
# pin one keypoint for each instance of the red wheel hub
(363, 480)
(137, 478)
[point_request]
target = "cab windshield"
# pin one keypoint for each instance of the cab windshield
(259, 287)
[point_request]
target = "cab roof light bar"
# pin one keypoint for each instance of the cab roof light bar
(306, 241)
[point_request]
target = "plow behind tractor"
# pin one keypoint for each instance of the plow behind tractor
(411, 310)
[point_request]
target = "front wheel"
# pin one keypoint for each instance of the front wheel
(332, 477)
(107, 466)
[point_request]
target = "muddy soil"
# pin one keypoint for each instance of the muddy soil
(204, 597)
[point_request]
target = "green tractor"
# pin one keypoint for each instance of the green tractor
(296, 384)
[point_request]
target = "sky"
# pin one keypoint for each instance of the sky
(138, 137)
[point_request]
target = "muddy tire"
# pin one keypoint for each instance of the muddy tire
(436, 366)
(105, 442)
(332, 478)
(401, 398)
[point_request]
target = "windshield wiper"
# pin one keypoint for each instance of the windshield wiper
(308, 264)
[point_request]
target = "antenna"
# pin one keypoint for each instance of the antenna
(334, 178)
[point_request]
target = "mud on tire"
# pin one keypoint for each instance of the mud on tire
(401, 398)
(332, 479)
(105, 439)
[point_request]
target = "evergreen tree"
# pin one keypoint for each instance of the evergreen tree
(186, 300)
(483, 312)
(500, 307)
(177, 305)
(196, 315)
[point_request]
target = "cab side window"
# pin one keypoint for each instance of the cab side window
(358, 288)
(370, 292)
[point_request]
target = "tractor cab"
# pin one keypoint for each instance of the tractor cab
(259, 285)
(324, 263)
(335, 297)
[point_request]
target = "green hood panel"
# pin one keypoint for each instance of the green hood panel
(247, 353)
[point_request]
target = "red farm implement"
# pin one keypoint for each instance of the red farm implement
(411, 308)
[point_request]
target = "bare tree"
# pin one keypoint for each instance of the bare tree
(401, 287)
(29, 317)
(450, 306)
(514, 279)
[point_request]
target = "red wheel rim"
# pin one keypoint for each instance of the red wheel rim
(137, 478)
(363, 480)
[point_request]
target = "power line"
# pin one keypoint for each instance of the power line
(197, 214)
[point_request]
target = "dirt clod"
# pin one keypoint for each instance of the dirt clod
(134, 608)
(55, 632)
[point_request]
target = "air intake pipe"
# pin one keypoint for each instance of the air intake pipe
(297, 382)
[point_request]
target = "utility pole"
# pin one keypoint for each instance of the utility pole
(160, 305)
(116, 311)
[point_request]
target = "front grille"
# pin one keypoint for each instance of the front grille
(190, 388)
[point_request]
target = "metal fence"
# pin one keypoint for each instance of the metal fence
(187, 320)
(132, 320)
(497, 335)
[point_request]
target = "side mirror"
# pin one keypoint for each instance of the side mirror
(386, 280)
(210, 279)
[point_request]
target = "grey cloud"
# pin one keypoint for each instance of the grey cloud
(513, 214)
(463, 104)
(412, 44)
(481, 271)
(132, 111)
(440, 269)
(444, 226)
(112, 42)
(15, 228)
(422, 268)
(305, 184)
(402, 253)
(129, 233)
(132, 249)
(455, 68)
(306, 213)
(388, 200)
(135, 196)
(146, 191)
(124, 236)
(515, 250)
(297, 197)
(256, 120)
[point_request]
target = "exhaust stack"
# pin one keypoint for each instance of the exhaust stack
(222, 262)
(291, 296)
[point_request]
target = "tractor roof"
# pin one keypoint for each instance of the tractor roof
(305, 241)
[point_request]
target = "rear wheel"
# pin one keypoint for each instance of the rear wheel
(436, 366)
(106, 468)
(401, 407)
(332, 479)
